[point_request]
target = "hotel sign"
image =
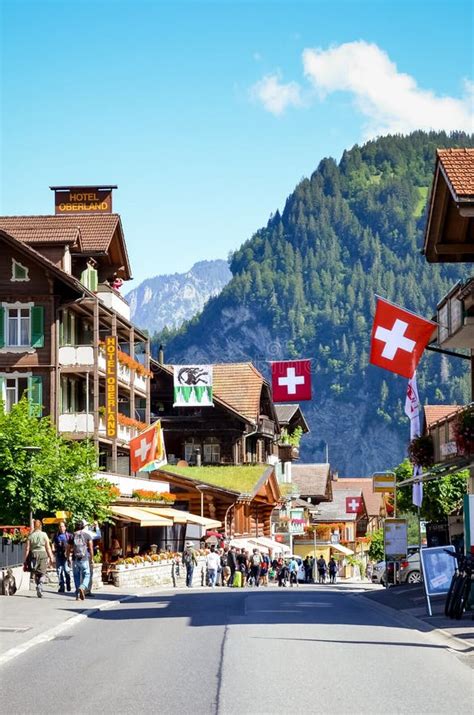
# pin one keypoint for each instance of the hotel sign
(83, 200)
(384, 482)
(111, 386)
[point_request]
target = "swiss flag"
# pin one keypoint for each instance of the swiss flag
(398, 338)
(291, 380)
(143, 449)
(353, 505)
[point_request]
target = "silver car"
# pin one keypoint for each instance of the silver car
(378, 573)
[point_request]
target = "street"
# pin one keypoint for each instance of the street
(307, 649)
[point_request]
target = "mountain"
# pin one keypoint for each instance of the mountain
(169, 300)
(305, 284)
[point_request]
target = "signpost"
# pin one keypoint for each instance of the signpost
(395, 539)
(384, 482)
(438, 568)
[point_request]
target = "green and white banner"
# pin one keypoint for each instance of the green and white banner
(193, 386)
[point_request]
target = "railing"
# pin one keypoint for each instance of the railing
(11, 554)
(124, 432)
(456, 317)
(266, 427)
(444, 441)
(113, 300)
(76, 422)
(77, 355)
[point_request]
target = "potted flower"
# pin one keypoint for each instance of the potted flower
(464, 431)
(421, 451)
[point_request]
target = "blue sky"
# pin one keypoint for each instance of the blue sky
(206, 115)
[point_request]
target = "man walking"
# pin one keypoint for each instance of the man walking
(322, 568)
(189, 561)
(38, 554)
(213, 563)
(293, 569)
(82, 554)
(95, 534)
(255, 564)
(232, 563)
(61, 541)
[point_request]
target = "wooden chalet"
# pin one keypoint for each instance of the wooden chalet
(241, 428)
(373, 501)
(313, 482)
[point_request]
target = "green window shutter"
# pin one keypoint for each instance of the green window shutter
(35, 395)
(2, 390)
(2, 327)
(92, 279)
(37, 326)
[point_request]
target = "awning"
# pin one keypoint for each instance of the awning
(271, 544)
(247, 544)
(439, 471)
(183, 517)
(343, 549)
(140, 516)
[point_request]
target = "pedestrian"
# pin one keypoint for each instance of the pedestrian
(264, 568)
(282, 572)
(322, 568)
(242, 566)
(82, 553)
(255, 565)
(332, 570)
(232, 563)
(212, 562)
(38, 555)
(95, 534)
(189, 560)
(225, 568)
(369, 571)
(293, 570)
(311, 569)
(61, 541)
(307, 572)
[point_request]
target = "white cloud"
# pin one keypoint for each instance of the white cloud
(275, 95)
(391, 100)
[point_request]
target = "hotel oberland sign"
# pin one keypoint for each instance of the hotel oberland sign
(111, 386)
(87, 199)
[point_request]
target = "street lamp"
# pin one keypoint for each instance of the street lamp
(31, 450)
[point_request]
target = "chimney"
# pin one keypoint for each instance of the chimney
(161, 355)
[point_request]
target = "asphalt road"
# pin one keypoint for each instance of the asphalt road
(306, 650)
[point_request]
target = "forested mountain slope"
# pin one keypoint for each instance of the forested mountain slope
(304, 286)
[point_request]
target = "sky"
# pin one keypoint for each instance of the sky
(207, 114)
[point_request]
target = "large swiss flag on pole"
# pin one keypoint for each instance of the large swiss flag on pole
(291, 380)
(143, 449)
(398, 338)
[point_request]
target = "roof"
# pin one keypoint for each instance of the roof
(311, 479)
(433, 413)
(96, 230)
(45, 234)
(287, 412)
(234, 478)
(458, 168)
(373, 500)
(335, 510)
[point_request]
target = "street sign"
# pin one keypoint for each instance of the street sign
(384, 482)
(438, 568)
(395, 536)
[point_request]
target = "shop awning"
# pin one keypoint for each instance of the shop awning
(247, 544)
(183, 517)
(343, 549)
(270, 544)
(140, 516)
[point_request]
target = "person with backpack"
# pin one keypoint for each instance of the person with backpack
(293, 567)
(264, 568)
(213, 562)
(332, 570)
(61, 541)
(255, 566)
(189, 561)
(82, 553)
(38, 555)
(232, 563)
(322, 568)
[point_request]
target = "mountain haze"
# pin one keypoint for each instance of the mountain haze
(169, 300)
(304, 286)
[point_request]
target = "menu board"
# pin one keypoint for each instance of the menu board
(438, 568)
(395, 538)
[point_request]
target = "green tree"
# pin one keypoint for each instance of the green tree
(60, 476)
(440, 496)
(376, 550)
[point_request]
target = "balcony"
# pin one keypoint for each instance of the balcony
(445, 446)
(126, 369)
(76, 423)
(455, 317)
(288, 453)
(125, 432)
(128, 484)
(76, 355)
(112, 299)
(266, 427)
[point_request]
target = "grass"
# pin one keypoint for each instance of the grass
(237, 478)
(422, 198)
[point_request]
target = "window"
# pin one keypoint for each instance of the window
(18, 320)
(212, 451)
(19, 272)
(15, 387)
(189, 448)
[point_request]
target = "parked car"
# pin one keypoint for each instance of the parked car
(409, 570)
(378, 573)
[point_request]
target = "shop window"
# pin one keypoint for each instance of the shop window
(19, 272)
(212, 451)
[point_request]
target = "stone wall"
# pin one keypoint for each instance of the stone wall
(158, 575)
(96, 579)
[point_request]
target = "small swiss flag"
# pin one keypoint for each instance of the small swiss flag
(143, 449)
(398, 338)
(353, 505)
(291, 380)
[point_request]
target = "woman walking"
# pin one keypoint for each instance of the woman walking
(38, 555)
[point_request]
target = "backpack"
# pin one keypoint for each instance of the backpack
(79, 545)
(256, 560)
(188, 557)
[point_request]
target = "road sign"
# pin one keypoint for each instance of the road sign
(438, 569)
(384, 482)
(395, 537)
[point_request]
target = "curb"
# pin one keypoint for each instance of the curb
(60, 628)
(408, 620)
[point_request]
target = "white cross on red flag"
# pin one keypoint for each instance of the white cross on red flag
(143, 449)
(291, 380)
(353, 505)
(398, 338)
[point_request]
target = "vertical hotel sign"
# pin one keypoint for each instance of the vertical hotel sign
(111, 386)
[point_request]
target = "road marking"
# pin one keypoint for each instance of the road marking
(14, 629)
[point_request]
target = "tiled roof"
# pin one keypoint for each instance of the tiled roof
(458, 165)
(96, 230)
(433, 413)
(240, 386)
(311, 479)
(285, 412)
(43, 235)
(373, 500)
(335, 510)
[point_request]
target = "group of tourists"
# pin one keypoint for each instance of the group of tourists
(68, 552)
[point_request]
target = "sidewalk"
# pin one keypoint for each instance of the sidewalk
(410, 601)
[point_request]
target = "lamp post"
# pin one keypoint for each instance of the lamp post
(31, 450)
